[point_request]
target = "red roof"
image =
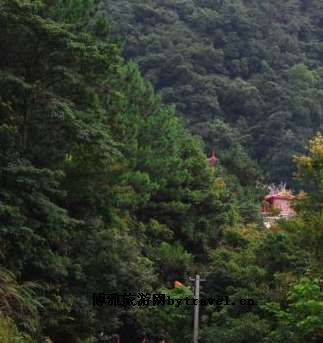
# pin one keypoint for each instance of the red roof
(213, 159)
(271, 197)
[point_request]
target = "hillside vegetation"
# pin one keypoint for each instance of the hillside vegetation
(104, 188)
(255, 65)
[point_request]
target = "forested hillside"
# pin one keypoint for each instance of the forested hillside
(102, 188)
(255, 65)
(105, 186)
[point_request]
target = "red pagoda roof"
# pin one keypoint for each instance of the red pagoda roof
(279, 196)
(213, 159)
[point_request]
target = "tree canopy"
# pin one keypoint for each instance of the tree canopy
(255, 65)
(105, 186)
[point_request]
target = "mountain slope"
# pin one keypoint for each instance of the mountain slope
(254, 65)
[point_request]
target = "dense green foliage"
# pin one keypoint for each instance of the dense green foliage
(256, 65)
(270, 266)
(104, 190)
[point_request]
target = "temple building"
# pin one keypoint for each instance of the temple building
(277, 205)
(213, 159)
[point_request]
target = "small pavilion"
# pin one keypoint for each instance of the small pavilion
(212, 160)
(277, 205)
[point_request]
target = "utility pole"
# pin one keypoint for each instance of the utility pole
(196, 281)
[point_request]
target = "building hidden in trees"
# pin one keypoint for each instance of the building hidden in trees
(277, 205)
(213, 159)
